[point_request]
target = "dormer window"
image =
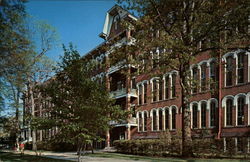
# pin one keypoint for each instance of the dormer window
(116, 20)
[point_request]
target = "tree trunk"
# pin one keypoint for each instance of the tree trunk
(32, 102)
(92, 149)
(17, 118)
(79, 153)
(186, 116)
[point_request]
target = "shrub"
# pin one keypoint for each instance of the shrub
(201, 147)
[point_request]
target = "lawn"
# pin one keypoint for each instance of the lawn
(155, 159)
(9, 157)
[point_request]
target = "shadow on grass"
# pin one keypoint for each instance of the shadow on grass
(133, 157)
(158, 159)
(9, 157)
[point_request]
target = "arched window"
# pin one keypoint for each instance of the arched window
(195, 115)
(116, 20)
(173, 118)
(155, 90)
(155, 58)
(203, 77)
(195, 79)
(240, 114)
(212, 114)
(145, 92)
(229, 71)
(160, 119)
(203, 114)
(160, 89)
(173, 90)
(154, 120)
(140, 122)
(240, 68)
(213, 75)
(167, 87)
(166, 119)
(140, 95)
(229, 112)
(145, 121)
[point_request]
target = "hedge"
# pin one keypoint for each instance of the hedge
(206, 147)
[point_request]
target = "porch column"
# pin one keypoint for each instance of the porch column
(128, 132)
(107, 139)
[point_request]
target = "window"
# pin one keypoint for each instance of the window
(145, 121)
(155, 59)
(203, 114)
(120, 85)
(240, 116)
(230, 144)
(240, 68)
(229, 71)
(133, 111)
(155, 90)
(166, 119)
(229, 112)
(140, 122)
(174, 118)
(116, 20)
(160, 119)
(173, 85)
(212, 114)
(160, 89)
(195, 115)
(195, 79)
(140, 95)
(213, 73)
(240, 144)
(133, 83)
(145, 92)
(154, 120)
(203, 77)
(166, 87)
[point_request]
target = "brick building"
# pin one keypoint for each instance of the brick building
(156, 100)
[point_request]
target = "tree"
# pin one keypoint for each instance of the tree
(80, 108)
(181, 30)
(40, 68)
(24, 43)
(15, 50)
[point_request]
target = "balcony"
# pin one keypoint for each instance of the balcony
(123, 93)
(131, 121)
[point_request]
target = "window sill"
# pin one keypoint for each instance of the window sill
(204, 128)
(237, 126)
(237, 85)
(142, 131)
(228, 126)
(163, 100)
(142, 104)
(240, 126)
(158, 131)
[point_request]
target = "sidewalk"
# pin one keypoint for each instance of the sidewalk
(71, 156)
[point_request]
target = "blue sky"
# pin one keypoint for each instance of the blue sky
(76, 21)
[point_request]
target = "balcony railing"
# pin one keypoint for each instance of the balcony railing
(131, 121)
(123, 93)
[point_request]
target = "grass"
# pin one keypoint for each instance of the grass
(155, 159)
(10, 157)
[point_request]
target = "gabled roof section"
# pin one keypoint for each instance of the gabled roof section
(115, 10)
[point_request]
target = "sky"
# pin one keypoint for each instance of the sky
(76, 21)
